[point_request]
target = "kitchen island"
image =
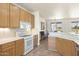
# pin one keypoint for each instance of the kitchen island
(64, 43)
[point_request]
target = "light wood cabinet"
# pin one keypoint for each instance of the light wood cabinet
(14, 16)
(0, 50)
(27, 17)
(22, 15)
(20, 47)
(14, 48)
(59, 45)
(11, 15)
(66, 47)
(69, 48)
(51, 43)
(4, 15)
(8, 49)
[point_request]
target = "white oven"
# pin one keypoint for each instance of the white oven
(28, 42)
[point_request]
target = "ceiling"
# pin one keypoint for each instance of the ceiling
(54, 10)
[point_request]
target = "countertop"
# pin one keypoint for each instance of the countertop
(6, 40)
(68, 36)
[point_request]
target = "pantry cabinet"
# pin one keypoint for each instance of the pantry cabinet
(14, 16)
(4, 15)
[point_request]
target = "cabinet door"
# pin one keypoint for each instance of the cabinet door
(22, 15)
(8, 49)
(50, 45)
(0, 51)
(14, 16)
(59, 45)
(32, 21)
(4, 15)
(27, 17)
(20, 47)
(69, 47)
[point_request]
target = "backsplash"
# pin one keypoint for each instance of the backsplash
(6, 32)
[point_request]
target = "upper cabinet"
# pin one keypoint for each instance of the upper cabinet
(26, 16)
(29, 18)
(4, 15)
(14, 16)
(11, 15)
(22, 15)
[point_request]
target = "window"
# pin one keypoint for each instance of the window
(56, 27)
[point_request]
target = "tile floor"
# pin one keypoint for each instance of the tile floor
(42, 50)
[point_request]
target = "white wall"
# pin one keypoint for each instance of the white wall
(66, 24)
(37, 25)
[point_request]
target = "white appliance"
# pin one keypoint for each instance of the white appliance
(28, 44)
(28, 39)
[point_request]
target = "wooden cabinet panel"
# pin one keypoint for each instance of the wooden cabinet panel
(8, 49)
(14, 16)
(0, 50)
(15, 48)
(51, 43)
(59, 45)
(20, 47)
(69, 48)
(4, 15)
(27, 17)
(66, 47)
(22, 15)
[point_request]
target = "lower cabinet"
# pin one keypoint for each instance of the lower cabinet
(66, 47)
(19, 47)
(12, 48)
(8, 49)
(50, 45)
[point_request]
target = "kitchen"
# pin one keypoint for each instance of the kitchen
(16, 26)
(25, 30)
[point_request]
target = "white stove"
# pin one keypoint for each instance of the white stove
(28, 41)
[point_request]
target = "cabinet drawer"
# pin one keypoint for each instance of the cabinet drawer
(9, 52)
(7, 45)
(8, 48)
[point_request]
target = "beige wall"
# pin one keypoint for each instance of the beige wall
(6, 32)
